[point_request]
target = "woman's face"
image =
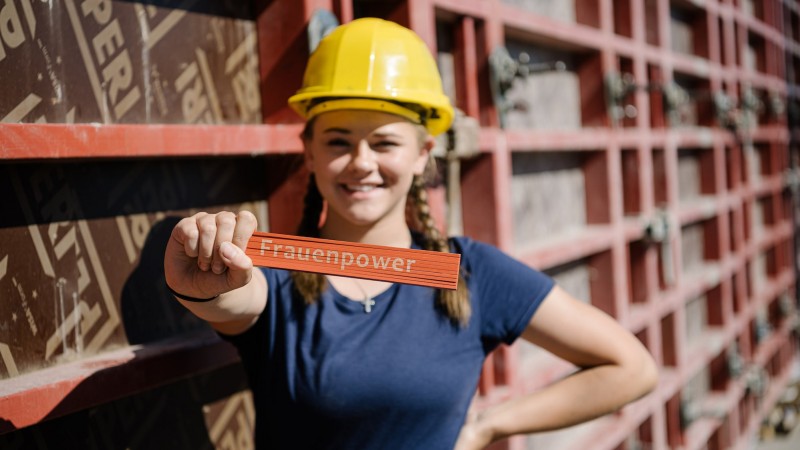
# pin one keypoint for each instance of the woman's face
(364, 163)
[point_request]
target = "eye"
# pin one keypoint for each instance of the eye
(385, 144)
(338, 142)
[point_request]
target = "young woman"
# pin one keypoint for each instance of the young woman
(366, 364)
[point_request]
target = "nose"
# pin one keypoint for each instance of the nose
(363, 158)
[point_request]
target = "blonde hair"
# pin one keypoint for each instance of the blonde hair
(453, 303)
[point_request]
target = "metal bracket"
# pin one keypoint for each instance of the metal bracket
(791, 179)
(321, 24)
(725, 109)
(503, 70)
(461, 141)
(618, 87)
(761, 327)
(752, 106)
(657, 231)
(776, 105)
(735, 361)
(675, 97)
(756, 380)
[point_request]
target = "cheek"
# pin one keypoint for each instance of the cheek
(329, 165)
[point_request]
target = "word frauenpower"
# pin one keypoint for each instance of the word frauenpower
(357, 260)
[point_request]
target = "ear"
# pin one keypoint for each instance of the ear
(424, 155)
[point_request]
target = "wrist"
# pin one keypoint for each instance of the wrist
(485, 427)
(187, 297)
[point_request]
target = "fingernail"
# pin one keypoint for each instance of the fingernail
(227, 250)
(204, 267)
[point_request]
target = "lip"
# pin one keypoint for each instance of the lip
(361, 190)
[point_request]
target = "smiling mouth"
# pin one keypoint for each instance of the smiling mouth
(360, 187)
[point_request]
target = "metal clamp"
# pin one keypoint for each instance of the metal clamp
(321, 24)
(776, 105)
(756, 381)
(657, 231)
(618, 87)
(460, 142)
(735, 361)
(503, 70)
(761, 327)
(726, 110)
(752, 106)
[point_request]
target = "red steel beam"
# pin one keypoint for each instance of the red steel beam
(39, 141)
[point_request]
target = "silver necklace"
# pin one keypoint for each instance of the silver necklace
(368, 302)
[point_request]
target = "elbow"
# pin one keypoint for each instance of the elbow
(646, 375)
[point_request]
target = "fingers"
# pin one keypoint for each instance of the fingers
(207, 227)
(240, 264)
(186, 234)
(225, 224)
(245, 226)
(202, 235)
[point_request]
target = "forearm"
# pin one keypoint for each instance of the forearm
(582, 396)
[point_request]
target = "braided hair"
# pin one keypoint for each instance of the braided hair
(310, 285)
(454, 303)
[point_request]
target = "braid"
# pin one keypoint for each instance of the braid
(310, 285)
(454, 303)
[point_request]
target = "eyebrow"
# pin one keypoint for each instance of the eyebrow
(347, 131)
(387, 134)
(337, 130)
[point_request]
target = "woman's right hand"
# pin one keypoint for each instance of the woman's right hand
(205, 254)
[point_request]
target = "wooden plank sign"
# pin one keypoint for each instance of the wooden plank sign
(357, 260)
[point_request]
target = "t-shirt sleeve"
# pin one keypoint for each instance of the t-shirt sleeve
(505, 291)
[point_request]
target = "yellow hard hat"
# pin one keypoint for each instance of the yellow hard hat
(375, 65)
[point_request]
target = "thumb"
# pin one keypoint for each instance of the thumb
(239, 264)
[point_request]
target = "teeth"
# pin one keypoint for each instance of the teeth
(360, 187)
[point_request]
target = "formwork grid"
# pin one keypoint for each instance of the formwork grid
(714, 287)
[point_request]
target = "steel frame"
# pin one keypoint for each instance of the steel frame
(615, 31)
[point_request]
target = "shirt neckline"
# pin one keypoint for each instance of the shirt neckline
(356, 305)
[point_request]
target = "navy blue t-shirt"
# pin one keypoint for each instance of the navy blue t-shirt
(330, 376)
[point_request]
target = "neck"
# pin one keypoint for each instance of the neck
(393, 233)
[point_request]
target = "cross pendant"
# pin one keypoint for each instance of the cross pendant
(368, 304)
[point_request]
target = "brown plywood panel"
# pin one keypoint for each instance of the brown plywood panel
(128, 62)
(81, 251)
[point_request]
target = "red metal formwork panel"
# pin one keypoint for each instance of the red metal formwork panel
(665, 152)
(717, 190)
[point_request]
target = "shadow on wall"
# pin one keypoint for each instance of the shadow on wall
(149, 313)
